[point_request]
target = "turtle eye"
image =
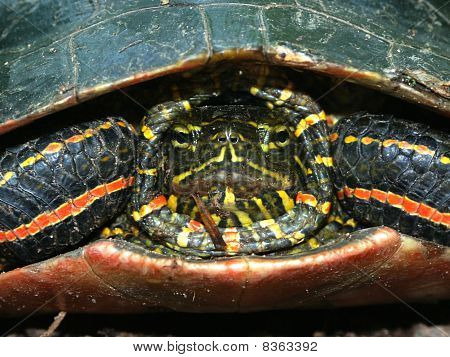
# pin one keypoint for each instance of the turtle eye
(180, 137)
(281, 137)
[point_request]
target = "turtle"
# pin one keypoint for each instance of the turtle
(243, 194)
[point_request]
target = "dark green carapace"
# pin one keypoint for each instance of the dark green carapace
(237, 162)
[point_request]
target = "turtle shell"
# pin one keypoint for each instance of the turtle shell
(55, 55)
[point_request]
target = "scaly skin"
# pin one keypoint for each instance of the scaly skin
(305, 203)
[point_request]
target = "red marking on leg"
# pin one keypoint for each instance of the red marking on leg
(410, 206)
(67, 209)
(158, 202)
(437, 217)
(395, 200)
(81, 201)
(446, 219)
(195, 225)
(340, 195)
(306, 198)
(404, 203)
(348, 191)
(99, 191)
(425, 211)
(379, 195)
(362, 193)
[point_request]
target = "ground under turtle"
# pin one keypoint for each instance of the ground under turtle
(232, 175)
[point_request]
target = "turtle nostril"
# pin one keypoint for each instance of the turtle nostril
(234, 139)
(222, 139)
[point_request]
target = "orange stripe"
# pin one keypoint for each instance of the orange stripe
(67, 209)
(348, 191)
(437, 217)
(410, 206)
(158, 202)
(404, 203)
(333, 137)
(362, 193)
(395, 200)
(379, 195)
(421, 149)
(425, 211)
(195, 225)
(306, 199)
(446, 219)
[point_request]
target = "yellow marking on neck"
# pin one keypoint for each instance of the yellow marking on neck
(324, 207)
(252, 123)
(147, 132)
(264, 126)
(181, 129)
(262, 208)
(187, 105)
(230, 198)
(300, 163)
(183, 237)
(183, 175)
(136, 216)
(351, 222)
(270, 173)
(270, 146)
(313, 243)
(172, 203)
(254, 90)
(298, 236)
(445, 160)
(193, 127)
(216, 218)
(326, 160)
(307, 122)
(288, 202)
(285, 94)
(243, 217)
(234, 157)
(149, 172)
(273, 226)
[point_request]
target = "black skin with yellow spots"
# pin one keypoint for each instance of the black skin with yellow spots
(254, 150)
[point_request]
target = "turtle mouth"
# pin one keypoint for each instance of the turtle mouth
(243, 185)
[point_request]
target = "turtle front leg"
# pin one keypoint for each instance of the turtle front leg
(57, 189)
(395, 173)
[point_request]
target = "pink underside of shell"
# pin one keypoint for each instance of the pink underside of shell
(383, 267)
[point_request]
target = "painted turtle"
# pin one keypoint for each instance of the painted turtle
(222, 239)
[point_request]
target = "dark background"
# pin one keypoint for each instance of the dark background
(382, 320)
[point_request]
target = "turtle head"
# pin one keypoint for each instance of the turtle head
(238, 159)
